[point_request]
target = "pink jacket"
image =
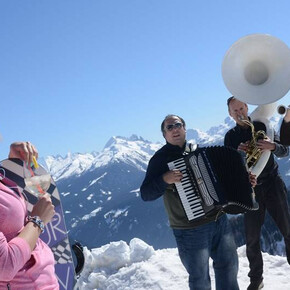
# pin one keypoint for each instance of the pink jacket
(19, 267)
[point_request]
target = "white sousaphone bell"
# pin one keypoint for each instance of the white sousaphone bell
(256, 70)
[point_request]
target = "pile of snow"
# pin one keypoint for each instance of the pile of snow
(137, 266)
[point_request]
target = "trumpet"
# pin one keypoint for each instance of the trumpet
(253, 153)
(282, 109)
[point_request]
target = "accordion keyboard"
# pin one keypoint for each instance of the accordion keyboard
(189, 198)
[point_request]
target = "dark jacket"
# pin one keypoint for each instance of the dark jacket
(239, 134)
(285, 133)
(154, 187)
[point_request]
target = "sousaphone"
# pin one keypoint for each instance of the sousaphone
(256, 70)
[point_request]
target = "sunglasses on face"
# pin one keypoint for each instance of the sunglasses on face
(173, 126)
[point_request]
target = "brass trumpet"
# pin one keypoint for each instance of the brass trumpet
(253, 153)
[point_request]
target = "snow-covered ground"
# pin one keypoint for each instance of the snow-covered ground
(119, 266)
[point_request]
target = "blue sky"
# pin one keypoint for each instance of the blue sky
(74, 73)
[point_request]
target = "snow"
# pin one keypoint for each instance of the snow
(92, 214)
(119, 266)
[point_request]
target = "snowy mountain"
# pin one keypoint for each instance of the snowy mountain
(101, 193)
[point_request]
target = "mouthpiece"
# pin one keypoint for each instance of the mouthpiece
(282, 109)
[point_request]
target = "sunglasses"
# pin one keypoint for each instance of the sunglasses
(174, 126)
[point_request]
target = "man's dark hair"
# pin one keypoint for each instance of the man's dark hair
(230, 99)
(168, 117)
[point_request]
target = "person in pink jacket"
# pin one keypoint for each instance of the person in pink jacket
(26, 262)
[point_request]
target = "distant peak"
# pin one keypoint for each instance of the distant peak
(133, 138)
(229, 121)
(111, 141)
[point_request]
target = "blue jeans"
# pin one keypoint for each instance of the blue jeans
(197, 245)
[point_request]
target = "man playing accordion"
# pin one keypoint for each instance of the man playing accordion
(197, 240)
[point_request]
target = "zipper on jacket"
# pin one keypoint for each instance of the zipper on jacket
(8, 286)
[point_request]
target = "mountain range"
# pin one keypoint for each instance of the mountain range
(101, 197)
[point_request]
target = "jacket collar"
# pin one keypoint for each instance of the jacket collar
(176, 148)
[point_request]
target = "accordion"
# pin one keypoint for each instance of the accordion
(214, 180)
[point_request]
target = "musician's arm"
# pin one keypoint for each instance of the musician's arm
(153, 185)
(280, 149)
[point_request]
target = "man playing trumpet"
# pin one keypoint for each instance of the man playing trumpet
(271, 193)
